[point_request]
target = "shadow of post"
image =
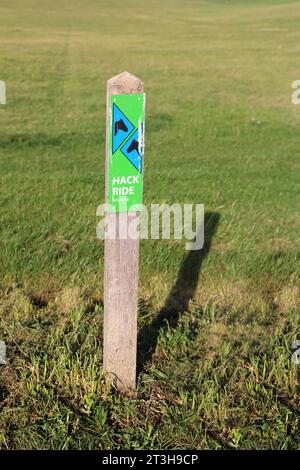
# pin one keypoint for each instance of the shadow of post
(181, 293)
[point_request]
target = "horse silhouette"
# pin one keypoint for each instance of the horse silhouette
(133, 146)
(120, 126)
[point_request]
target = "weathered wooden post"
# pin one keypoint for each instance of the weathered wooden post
(124, 160)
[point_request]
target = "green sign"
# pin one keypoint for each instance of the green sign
(126, 147)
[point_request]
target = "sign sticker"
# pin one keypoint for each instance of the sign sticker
(126, 149)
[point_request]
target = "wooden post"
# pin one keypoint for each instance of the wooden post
(120, 272)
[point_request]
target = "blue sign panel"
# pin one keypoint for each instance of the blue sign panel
(132, 151)
(121, 128)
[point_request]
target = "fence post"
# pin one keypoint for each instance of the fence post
(121, 254)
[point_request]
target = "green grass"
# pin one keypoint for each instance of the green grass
(215, 328)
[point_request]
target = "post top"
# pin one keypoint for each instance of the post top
(125, 83)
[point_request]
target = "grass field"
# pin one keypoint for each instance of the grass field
(215, 326)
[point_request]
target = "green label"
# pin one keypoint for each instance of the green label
(126, 149)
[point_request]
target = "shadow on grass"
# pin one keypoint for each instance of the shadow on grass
(181, 293)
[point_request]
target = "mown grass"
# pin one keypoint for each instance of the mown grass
(215, 327)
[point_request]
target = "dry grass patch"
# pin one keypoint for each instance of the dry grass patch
(69, 299)
(15, 304)
(231, 296)
(288, 299)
